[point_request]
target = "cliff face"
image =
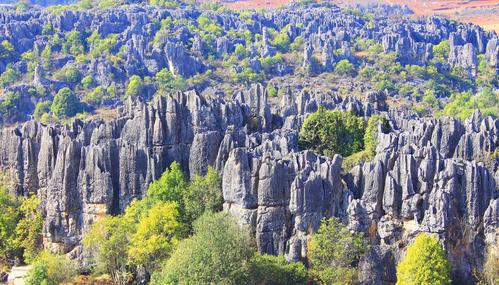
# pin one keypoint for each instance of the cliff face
(436, 176)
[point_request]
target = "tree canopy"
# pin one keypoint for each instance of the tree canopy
(425, 262)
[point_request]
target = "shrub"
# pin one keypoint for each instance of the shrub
(74, 43)
(282, 41)
(68, 74)
(29, 228)
(463, 104)
(344, 67)
(166, 81)
(87, 81)
(8, 77)
(156, 235)
(169, 187)
(217, 253)
(425, 262)
(331, 132)
(49, 269)
(6, 49)
(108, 240)
(491, 266)
(441, 51)
(135, 87)
(9, 217)
(65, 104)
(271, 90)
(334, 252)
(275, 270)
(371, 135)
(297, 44)
(203, 194)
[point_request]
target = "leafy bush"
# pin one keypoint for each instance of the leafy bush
(49, 269)
(73, 43)
(65, 104)
(108, 240)
(217, 253)
(98, 96)
(334, 253)
(28, 234)
(441, 51)
(275, 270)
(425, 262)
(10, 105)
(282, 41)
(8, 77)
(491, 266)
(68, 74)
(156, 235)
(42, 108)
(167, 82)
(344, 67)
(463, 104)
(331, 132)
(6, 49)
(87, 81)
(203, 194)
(271, 90)
(371, 134)
(9, 217)
(135, 86)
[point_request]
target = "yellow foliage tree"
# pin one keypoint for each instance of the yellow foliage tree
(425, 263)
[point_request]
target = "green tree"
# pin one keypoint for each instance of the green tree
(6, 49)
(425, 262)
(74, 43)
(282, 41)
(334, 253)
(275, 270)
(344, 67)
(271, 90)
(217, 253)
(29, 228)
(157, 234)
(109, 241)
(203, 194)
(169, 187)
(8, 77)
(49, 269)
(166, 81)
(463, 104)
(41, 108)
(441, 51)
(9, 217)
(371, 134)
(68, 74)
(331, 132)
(65, 103)
(135, 87)
(87, 81)
(491, 265)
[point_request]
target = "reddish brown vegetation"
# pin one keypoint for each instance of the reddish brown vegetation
(481, 12)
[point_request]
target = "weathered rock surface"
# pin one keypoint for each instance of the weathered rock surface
(435, 176)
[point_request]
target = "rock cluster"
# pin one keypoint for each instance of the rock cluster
(437, 176)
(143, 46)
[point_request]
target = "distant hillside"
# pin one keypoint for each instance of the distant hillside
(41, 2)
(480, 12)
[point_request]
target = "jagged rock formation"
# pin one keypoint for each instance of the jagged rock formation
(143, 46)
(41, 2)
(436, 176)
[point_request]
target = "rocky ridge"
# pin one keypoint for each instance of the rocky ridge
(143, 47)
(438, 176)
